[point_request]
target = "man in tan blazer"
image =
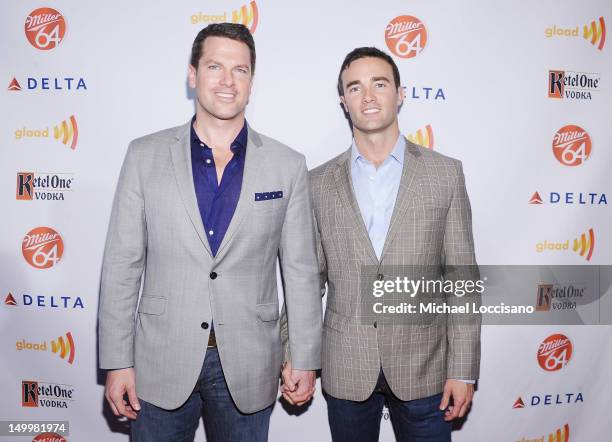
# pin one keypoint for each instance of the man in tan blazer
(383, 208)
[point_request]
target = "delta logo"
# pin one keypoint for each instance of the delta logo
(594, 32)
(583, 245)
(35, 394)
(49, 84)
(560, 435)
(406, 36)
(423, 137)
(248, 15)
(555, 352)
(424, 93)
(49, 437)
(572, 145)
(46, 301)
(62, 346)
(45, 28)
(36, 186)
(572, 85)
(558, 296)
(66, 132)
(42, 247)
(570, 198)
(546, 400)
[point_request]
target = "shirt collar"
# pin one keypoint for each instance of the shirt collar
(397, 153)
(238, 145)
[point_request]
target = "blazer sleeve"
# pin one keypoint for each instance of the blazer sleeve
(122, 268)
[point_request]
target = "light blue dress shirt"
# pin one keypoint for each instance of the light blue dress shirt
(376, 191)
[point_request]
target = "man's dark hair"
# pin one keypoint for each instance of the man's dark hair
(233, 31)
(364, 52)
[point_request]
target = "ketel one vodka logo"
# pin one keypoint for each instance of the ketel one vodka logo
(45, 28)
(572, 85)
(555, 352)
(35, 186)
(406, 36)
(36, 394)
(42, 247)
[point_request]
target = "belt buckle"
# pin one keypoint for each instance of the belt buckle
(212, 340)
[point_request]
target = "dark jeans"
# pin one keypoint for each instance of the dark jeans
(419, 420)
(211, 399)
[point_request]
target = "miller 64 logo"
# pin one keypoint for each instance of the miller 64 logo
(572, 85)
(555, 352)
(406, 36)
(36, 186)
(45, 28)
(36, 394)
(572, 145)
(42, 247)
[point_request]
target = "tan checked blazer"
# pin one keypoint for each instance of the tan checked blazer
(431, 225)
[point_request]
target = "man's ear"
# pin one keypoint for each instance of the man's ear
(192, 74)
(343, 101)
(401, 95)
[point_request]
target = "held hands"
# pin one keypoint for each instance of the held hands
(298, 386)
(461, 393)
(118, 383)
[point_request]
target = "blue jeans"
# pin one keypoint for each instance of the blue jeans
(419, 420)
(211, 399)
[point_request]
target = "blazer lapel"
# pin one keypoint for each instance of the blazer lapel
(181, 161)
(407, 191)
(252, 165)
(342, 176)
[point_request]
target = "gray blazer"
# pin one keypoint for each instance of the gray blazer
(156, 228)
(431, 225)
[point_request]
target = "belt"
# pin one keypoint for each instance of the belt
(212, 340)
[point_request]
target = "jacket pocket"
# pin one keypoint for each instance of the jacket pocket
(267, 312)
(152, 305)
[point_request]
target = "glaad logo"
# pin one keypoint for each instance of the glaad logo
(423, 137)
(572, 145)
(45, 301)
(594, 31)
(45, 28)
(36, 394)
(581, 198)
(561, 435)
(555, 352)
(406, 36)
(42, 247)
(43, 186)
(583, 245)
(248, 15)
(558, 296)
(50, 83)
(572, 85)
(66, 132)
(63, 346)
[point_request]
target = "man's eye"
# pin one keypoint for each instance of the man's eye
(243, 70)
(380, 85)
(213, 67)
(353, 89)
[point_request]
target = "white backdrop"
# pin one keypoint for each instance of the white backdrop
(487, 62)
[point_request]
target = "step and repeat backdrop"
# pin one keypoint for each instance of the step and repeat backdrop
(519, 91)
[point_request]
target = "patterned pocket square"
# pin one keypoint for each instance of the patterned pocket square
(265, 196)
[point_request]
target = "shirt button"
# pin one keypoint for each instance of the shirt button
(375, 324)
(213, 275)
(202, 144)
(380, 277)
(210, 232)
(208, 161)
(204, 325)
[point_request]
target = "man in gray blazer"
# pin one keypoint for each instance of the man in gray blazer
(203, 210)
(383, 209)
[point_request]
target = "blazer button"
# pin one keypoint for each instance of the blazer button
(375, 324)
(213, 275)
(380, 276)
(204, 325)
